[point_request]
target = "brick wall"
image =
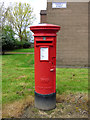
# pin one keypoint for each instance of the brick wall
(43, 16)
(72, 39)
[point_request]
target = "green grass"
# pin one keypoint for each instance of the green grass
(18, 78)
(71, 80)
(24, 50)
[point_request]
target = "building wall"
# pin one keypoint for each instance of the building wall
(72, 39)
(43, 16)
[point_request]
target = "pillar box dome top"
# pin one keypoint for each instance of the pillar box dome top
(45, 29)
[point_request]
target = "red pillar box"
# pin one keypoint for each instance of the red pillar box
(45, 65)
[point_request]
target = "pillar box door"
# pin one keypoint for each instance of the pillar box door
(45, 65)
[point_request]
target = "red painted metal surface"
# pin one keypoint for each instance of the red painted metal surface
(45, 57)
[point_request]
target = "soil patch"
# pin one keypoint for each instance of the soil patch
(15, 109)
(70, 106)
(67, 106)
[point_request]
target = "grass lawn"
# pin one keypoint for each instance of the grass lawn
(18, 78)
(24, 50)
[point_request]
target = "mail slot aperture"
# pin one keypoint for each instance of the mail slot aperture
(38, 43)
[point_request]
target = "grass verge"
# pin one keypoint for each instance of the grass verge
(23, 50)
(18, 78)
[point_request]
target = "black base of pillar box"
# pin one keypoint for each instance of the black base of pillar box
(45, 102)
